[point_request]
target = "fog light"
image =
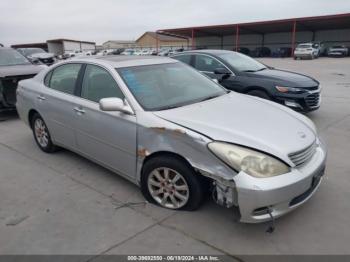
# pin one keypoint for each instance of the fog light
(292, 104)
(261, 211)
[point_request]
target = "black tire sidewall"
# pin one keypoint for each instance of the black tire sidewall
(193, 180)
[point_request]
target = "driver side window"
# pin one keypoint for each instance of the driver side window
(207, 63)
(98, 84)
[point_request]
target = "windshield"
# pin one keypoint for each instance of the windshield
(9, 57)
(242, 62)
(165, 86)
(31, 51)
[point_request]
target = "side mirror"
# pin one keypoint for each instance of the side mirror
(223, 72)
(115, 104)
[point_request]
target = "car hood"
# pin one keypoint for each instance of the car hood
(285, 78)
(20, 70)
(247, 121)
(42, 55)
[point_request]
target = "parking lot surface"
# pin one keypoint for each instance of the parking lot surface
(64, 204)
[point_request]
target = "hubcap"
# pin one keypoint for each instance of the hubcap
(41, 133)
(168, 187)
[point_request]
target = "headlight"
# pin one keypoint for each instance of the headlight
(250, 161)
(286, 89)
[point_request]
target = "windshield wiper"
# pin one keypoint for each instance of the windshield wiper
(249, 71)
(253, 71)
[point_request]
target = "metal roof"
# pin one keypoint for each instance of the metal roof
(60, 40)
(162, 37)
(315, 23)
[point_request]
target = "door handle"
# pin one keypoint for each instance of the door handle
(79, 110)
(41, 97)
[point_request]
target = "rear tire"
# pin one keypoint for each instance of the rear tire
(259, 93)
(158, 182)
(42, 135)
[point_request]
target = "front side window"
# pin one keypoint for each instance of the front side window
(98, 84)
(165, 86)
(64, 78)
(207, 63)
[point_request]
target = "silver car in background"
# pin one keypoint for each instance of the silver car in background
(176, 133)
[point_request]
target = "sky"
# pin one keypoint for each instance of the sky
(29, 21)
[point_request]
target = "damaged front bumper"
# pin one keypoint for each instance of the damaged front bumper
(259, 199)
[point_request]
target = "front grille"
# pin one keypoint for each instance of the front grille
(47, 60)
(303, 156)
(312, 100)
(312, 88)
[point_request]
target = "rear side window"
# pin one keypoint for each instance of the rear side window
(64, 78)
(183, 58)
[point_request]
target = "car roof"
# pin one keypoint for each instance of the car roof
(208, 51)
(118, 61)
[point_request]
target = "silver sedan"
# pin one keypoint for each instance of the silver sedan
(176, 133)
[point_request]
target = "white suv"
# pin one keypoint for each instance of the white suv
(307, 50)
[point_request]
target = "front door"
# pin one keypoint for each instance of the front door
(108, 137)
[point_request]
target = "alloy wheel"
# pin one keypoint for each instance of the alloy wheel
(41, 132)
(168, 188)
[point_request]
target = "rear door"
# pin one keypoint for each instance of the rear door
(56, 103)
(108, 137)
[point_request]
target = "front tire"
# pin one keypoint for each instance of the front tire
(171, 183)
(42, 135)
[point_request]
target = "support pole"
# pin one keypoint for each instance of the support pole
(192, 40)
(237, 37)
(157, 42)
(313, 36)
(263, 40)
(293, 36)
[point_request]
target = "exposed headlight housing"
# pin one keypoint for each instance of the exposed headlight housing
(286, 89)
(252, 162)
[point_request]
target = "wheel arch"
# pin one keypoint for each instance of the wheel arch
(165, 154)
(31, 114)
(252, 88)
